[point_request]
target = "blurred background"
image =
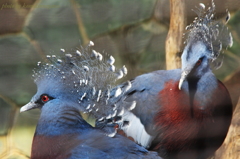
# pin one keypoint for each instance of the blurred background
(133, 31)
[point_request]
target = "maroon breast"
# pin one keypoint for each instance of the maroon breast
(185, 127)
(174, 118)
(57, 147)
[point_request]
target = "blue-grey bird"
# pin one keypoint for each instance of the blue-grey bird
(81, 81)
(184, 113)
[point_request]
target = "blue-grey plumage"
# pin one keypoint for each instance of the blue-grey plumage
(78, 82)
(184, 113)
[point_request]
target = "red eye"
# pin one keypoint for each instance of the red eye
(199, 62)
(44, 98)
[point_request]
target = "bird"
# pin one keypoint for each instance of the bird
(72, 83)
(183, 113)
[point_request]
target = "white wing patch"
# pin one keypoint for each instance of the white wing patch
(136, 130)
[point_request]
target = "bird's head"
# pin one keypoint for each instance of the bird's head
(51, 92)
(205, 39)
(82, 79)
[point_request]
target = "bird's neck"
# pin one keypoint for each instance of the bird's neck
(192, 88)
(197, 79)
(62, 121)
(207, 81)
(58, 132)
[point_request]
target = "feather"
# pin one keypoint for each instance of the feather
(214, 34)
(84, 74)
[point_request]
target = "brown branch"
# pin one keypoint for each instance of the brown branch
(174, 39)
(80, 23)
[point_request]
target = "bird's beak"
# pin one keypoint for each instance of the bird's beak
(183, 78)
(29, 106)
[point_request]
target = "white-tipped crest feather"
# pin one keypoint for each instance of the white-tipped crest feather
(85, 76)
(214, 34)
